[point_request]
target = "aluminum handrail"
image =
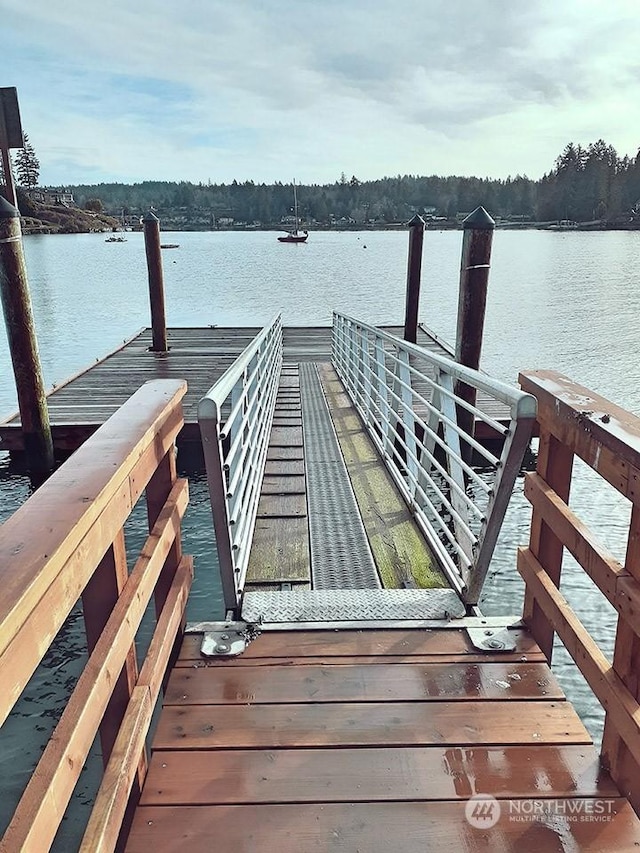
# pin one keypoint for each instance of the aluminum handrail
(408, 399)
(235, 450)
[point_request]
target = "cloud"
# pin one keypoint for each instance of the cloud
(261, 89)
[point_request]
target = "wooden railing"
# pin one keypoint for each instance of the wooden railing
(67, 542)
(576, 422)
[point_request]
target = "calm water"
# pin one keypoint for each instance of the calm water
(565, 301)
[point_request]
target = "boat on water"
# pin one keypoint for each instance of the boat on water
(115, 239)
(169, 245)
(296, 235)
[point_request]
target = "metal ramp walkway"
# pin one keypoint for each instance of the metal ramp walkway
(340, 554)
(354, 491)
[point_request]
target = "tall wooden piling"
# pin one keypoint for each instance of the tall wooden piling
(151, 225)
(18, 316)
(414, 268)
(472, 299)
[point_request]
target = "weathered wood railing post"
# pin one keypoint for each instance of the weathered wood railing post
(414, 267)
(151, 225)
(472, 300)
(18, 316)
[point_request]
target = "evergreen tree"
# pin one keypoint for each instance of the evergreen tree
(27, 165)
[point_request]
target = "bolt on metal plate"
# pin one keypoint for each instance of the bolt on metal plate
(228, 641)
(492, 639)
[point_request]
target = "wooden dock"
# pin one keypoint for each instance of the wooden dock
(82, 403)
(361, 739)
(373, 741)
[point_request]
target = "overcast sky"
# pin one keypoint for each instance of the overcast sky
(201, 90)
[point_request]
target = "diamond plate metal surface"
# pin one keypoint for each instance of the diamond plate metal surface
(340, 554)
(351, 605)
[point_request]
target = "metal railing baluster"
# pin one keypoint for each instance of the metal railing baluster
(456, 488)
(235, 451)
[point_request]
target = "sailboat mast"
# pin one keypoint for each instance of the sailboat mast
(295, 205)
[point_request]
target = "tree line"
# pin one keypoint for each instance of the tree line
(26, 165)
(585, 184)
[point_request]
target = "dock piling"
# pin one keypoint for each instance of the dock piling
(18, 316)
(151, 225)
(414, 268)
(472, 299)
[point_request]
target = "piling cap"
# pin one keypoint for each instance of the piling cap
(417, 220)
(7, 210)
(479, 220)
(150, 217)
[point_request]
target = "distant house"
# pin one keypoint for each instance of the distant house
(223, 221)
(51, 195)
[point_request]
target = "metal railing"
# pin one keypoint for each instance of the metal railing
(410, 401)
(235, 418)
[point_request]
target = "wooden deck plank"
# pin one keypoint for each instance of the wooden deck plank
(282, 506)
(287, 416)
(404, 724)
(280, 551)
(292, 660)
(283, 453)
(282, 726)
(371, 828)
(286, 436)
(283, 484)
(365, 775)
(373, 644)
(283, 467)
(373, 683)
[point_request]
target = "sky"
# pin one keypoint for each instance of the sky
(216, 90)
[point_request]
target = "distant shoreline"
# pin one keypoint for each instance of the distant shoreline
(356, 227)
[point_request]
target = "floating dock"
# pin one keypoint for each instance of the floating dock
(80, 404)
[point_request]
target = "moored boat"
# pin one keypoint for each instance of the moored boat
(295, 236)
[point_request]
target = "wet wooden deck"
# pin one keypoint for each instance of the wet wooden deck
(82, 403)
(373, 741)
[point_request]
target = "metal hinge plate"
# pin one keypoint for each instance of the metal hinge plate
(492, 639)
(224, 639)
